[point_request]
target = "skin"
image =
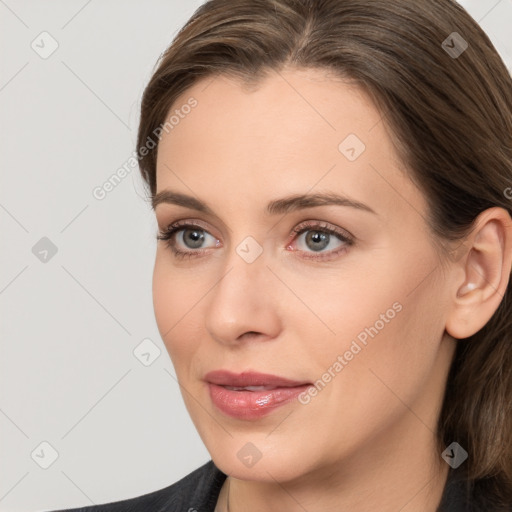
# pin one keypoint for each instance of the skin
(367, 440)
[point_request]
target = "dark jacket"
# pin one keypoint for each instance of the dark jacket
(199, 491)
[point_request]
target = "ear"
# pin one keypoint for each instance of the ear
(483, 273)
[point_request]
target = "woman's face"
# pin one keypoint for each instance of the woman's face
(346, 296)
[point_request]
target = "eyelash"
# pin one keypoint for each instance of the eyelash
(167, 235)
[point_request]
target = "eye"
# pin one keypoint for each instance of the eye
(186, 239)
(312, 237)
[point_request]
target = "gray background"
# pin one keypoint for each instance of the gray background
(71, 371)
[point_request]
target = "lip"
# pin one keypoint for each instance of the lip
(251, 405)
(227, 378)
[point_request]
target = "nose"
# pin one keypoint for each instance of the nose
(243, 303)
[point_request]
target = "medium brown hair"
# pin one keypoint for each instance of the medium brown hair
(451, 121)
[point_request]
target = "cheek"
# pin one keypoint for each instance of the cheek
(380, 319)
(393, 363)
(175, 299)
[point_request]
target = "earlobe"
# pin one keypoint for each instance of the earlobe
(486, 265)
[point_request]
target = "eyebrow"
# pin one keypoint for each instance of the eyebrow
(275, 207)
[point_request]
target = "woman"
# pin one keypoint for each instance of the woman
(332, 185)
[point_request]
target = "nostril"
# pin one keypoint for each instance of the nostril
(249, 334)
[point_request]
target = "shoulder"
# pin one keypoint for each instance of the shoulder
(196, 492)
(464, 495)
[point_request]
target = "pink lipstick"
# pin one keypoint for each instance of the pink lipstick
(251, 395)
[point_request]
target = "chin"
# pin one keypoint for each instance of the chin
(252, 457)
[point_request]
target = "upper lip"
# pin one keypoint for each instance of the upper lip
(249, 378)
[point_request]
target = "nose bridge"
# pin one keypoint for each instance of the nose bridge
(241, 300)
(245, 262)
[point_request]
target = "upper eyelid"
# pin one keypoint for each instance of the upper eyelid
(294, 211)
(183, 224)
(304, 226)
(320, 225)
(185, 219)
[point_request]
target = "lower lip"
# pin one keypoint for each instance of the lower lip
(249, 405)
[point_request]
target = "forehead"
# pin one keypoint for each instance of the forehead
(294, 129)
(286, 106)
